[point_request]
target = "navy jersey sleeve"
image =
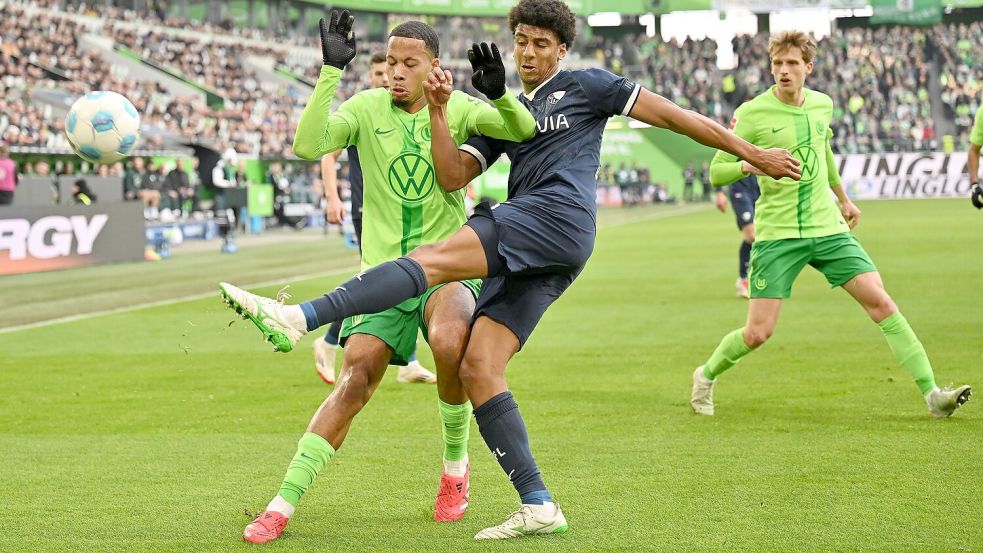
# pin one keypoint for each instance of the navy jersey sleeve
(610, 94)
(483, 148)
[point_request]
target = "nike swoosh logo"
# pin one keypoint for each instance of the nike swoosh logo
(530, 531)
(773, 129)
(380, 131)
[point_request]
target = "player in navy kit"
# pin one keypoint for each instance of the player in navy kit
(528, 249)
(743, 194)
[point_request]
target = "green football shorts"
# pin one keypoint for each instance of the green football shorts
(398, 326)
(775, 264)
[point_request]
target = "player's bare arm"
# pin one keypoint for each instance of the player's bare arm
(851, 213)
(660, 112)
(510, 121)
(335, 209)
(454, 168)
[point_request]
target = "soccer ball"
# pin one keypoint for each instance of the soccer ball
(103, 127)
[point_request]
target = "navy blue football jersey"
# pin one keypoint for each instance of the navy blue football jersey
(355, 178)
(560, 162)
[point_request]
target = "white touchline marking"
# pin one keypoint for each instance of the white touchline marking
(83, 316)
(171, 301)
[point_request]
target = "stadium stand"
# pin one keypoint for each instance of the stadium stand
(880, 83)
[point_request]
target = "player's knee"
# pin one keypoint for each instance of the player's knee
(881, 308)
(354, 386)
(449, 340)
(755, 336)
(474, 371)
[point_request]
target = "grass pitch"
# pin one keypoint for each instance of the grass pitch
(156, 429)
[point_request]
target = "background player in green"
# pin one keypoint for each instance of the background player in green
(404, 207)
(798, 223)
(973, 159)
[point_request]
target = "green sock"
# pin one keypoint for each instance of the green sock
(313, 452)
(908, 351)
(456, 426)
(727, 354)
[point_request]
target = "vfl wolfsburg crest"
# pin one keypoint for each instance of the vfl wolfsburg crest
(808, 162)
(411, 177)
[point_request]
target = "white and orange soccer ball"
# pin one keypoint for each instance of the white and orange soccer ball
(103, 127)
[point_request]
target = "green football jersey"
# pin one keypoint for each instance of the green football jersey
(786, 208)
(403, 204)
(976, 135)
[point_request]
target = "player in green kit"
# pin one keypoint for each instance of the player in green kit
(798, 223)
(973, 159)
(404, 207)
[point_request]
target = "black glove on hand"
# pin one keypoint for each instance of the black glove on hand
(338, 40)
(489, 70)
(977, 197)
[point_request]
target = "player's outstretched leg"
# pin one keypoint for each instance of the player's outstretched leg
(386, 285)
(868, 290)
(497, 414)
(325, 353)
(362, 372)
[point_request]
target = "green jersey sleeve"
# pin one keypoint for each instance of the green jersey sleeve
(832, 171)
(510, 121)
(320, 131)
(727, 168)
(976, 136)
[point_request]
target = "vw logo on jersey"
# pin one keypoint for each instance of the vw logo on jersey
(411, 177)
(808, 162)
(555, 97)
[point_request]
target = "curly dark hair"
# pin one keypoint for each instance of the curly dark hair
(421, 31)
(554, 15)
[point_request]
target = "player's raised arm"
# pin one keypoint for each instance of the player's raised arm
(320, 131)
(511, 121)
(454, 168)
(656, 110)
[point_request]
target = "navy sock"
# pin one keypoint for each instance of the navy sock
(375, 290)
(745, 258)
(334, 331)
(505, 435)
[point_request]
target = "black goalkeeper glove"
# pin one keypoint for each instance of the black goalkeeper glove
(489, 70)
(977, 197)
(337, 39)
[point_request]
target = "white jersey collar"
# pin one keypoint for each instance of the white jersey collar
(532, 95)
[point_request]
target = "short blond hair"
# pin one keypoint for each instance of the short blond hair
(787, 39)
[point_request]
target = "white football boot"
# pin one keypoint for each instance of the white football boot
(283, 325)
(943, 402)
(529, 520)
(702, 395)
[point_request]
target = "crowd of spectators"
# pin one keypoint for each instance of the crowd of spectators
(960, 57)
(878, 79)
